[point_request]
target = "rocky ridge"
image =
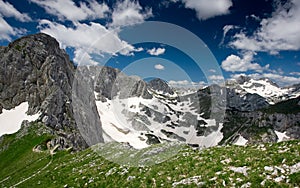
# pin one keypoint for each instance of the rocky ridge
(76, 103)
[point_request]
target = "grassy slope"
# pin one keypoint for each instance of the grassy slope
(87, 168)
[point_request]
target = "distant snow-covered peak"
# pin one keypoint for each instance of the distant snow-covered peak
(263, 87)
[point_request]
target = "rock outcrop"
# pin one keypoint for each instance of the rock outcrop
(35, 69)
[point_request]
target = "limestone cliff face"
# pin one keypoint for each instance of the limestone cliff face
(36, 70)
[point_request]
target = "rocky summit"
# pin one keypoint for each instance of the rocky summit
(34, 69)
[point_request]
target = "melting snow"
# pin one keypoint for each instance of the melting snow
(11, 120)
(118, 127)
(281, 136)
(241, 141)
(114, 127)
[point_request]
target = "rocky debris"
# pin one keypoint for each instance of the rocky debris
(189, 181)
(242, 170)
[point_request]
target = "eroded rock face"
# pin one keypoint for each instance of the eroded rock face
(110, 82)
(161, 86)
(35, 69)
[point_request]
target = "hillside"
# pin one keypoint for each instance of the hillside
(268, 165)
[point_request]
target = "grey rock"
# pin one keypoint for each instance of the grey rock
(158, 84)
(36, 70)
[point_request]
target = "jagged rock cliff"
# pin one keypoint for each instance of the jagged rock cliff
(34, 69)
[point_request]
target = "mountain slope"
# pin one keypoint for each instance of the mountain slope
(263, 87)
(269, 165)
(86, 105)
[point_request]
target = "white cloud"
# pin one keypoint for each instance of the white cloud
(156, 51)
(282, 80)
(159, 67)
(93, 37)
(81, 57)
(5, 30)
(67, 9)
(185, 84)
(278, 33)
(8, 10)
(295, 73)
(216, 77)
(212, 70)
(205, 9)
(235, 63)
(128, 12)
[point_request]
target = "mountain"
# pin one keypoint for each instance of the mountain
(263, 87)
(34, 71)
(85, 105)
(94, 126)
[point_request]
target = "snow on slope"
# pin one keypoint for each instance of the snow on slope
(11, 120)
(118, 115)
(115, 127)
(241, 141)
(266, 89)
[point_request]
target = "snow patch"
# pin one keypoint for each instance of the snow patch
(11, 120)
(241, 141)
(281, 136)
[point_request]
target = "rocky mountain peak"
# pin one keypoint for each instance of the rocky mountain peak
(242, 79)
(160, 85)
(34, 69)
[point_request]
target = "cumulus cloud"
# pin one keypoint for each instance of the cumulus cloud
(156, 51)
(93, 37)
(186, 84)
(81, 57)
(277, 33)
(8, 10)
(126, 13)
(159, 67)
(234, 63)
(215, 77)
(205, 9)
(6, 30)
(295, 73)
(67, 9)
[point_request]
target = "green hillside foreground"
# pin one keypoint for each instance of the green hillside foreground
(264, 165)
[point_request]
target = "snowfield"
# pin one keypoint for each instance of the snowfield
(11, 120)
(119, 122)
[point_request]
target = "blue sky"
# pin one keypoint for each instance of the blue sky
(207, 40)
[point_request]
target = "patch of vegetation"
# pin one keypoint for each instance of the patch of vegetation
(17, 159)
(234, 166)
(18, 47)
